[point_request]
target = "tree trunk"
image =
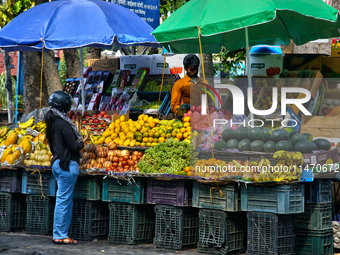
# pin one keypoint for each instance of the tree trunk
(32, 77)
(208, 68)
(51, 73)
(9, 84)
(93, 53)
(72, 63)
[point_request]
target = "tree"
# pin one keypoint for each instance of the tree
(9, 11)
(229, 60)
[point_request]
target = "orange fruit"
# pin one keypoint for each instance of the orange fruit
(161, 139)
(179, 135)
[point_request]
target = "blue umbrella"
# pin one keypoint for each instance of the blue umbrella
(66, 24)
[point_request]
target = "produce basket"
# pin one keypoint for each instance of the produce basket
(10, 180)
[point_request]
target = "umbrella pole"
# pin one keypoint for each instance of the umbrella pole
(82, 82)
(248, 66)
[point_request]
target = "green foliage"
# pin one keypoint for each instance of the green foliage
(229, 59)
(8, 11)
(3, 95)
(63, 69)
(170, 6)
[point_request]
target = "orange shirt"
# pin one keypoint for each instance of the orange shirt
(181, 90)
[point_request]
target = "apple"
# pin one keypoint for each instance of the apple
(199, 108)
(102, 130)
(193, 108)
(106, 116)
(90, 120)
(74, 117)
(115, 113)
(99, 126)
(87, 117)
(84, 128)
(102, 121)
(97, 112)
(70, 113)
(78, 114)
(104, 125)
(94, 116)
(103, 113)
(86, 114)
(96, 121)
(84, 122)
(93, 126)
(96, 130)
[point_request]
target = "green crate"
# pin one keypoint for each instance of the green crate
(316, 217)
(131, 224)
(208, 196)
(310, 242)
(130, 191)
(88, 188)
(12, 212)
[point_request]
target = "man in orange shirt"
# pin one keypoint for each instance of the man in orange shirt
(185, 90)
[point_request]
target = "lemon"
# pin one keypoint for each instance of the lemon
(183, 130)
(142, 144)
(137, 143)
(141, 122)
(179, 136)
(185, 135)
(112, 126)
(122, 118)
(148, 144)
(156, 121)
(151, 124)
(161, 139)
(152, 144)
(146, 134)
(145, 118)
(150, 139)
(188, 129)
(186, 124)
(145, 139)
(157, 135)
(140, 117)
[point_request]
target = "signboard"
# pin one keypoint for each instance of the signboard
(148, 10)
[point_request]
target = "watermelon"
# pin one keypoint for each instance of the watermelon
(298, 138)
(220, 144)
(255, 133)
(242, 133)
(232, 144)
(228, 134)
(309, 137)
(270, 146)
(285, 146)
(257, 145)
(306, 147)
(279, 135)
(265, 134)
(291, 131)
(244, 145)
(322, 144)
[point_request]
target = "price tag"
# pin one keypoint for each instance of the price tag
(125, 109)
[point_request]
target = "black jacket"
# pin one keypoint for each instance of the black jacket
(64, 144)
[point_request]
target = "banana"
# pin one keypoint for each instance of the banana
(27, 124)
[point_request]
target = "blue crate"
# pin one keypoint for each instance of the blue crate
(166, 104)
(31, 185)
(280, 199)
(319, 191)
(88, 188)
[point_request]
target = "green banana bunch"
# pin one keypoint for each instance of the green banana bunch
(27, 124)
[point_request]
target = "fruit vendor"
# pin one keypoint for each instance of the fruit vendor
(185, 90)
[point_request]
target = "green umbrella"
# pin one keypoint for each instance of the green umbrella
(228, 23)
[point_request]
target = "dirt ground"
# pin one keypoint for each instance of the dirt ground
(24, 244)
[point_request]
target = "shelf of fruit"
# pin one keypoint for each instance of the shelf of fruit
(145, 132)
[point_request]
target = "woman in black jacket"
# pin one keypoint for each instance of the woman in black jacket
(65, 144)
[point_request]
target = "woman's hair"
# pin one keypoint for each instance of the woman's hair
(49, 120)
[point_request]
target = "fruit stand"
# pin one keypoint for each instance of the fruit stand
(174, 181)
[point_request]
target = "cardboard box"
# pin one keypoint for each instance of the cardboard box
(296, 62)
(324, 157)
(157, 65)
(110, 64)
(134, 62)
(330, 98)
(331, 67)
(321, 126)
(335, 52)
(260, 62)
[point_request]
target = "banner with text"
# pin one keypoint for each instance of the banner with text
(148, 10)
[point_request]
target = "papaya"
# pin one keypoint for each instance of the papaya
(16, 155)
(26, 146)
(10, 159)
(7, 152)
(11, 139)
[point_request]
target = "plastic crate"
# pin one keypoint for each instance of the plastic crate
(319, 191)
(165, 107)
(224, 156)
(281, 199)
(178, 193)
(151, 96)
(176, 227)
(40, 212)
(88, 188)
(316, 217)
(318, 242)
(12, 212)
(31, 183)
(89, 220)
(131, 191)
(209, 197)
(130, 224)
(221, 232)
(270, 234)
(10, 181)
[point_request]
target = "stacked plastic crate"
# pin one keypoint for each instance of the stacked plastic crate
(130, 220)
(270, 217)
(12, 203)
(221, 224)
(40, 188)
(176, 221)
(90, 216)
(313, 228)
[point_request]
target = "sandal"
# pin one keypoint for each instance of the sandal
(64, 241)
